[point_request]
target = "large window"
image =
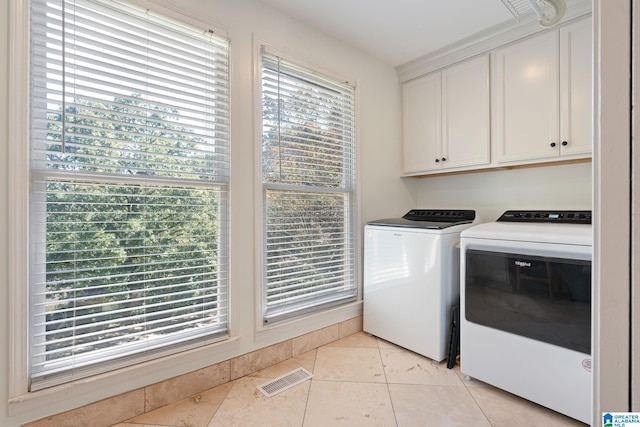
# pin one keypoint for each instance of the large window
(129, 183)
(308, 175)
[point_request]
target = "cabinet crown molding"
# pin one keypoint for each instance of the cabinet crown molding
(485, 41)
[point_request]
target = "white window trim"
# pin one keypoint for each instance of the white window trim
(51, 365)
(18, 197)
(323, 318)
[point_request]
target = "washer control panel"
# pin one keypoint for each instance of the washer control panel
(444, 215)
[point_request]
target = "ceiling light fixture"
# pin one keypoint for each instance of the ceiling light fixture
(549, 12)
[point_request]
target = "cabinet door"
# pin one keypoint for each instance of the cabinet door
(465, 114)
(527, 123)
(421, 124)
(575, 89)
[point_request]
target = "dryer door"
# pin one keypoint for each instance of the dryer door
(544, 298)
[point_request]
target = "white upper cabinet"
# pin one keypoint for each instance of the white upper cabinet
(576, 111)
(422, 123)
(531, 105)
(446, 118)
(543, 97)
(527, 103)
(466, 104)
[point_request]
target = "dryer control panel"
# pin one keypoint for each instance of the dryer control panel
(564, 217)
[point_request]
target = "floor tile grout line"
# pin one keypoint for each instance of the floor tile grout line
(222, 401)
(386, 381)
(234, 382)
(478, 404)
(466, 386)
(313, 371)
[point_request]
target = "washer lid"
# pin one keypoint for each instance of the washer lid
(429, 218)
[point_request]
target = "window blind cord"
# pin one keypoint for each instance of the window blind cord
(279, 126)
(63, 113)
(209, 109)
(147, 137)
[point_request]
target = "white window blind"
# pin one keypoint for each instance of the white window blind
(308, 172)
(129, 174)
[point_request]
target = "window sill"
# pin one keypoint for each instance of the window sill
(82, 392)
(313, 322)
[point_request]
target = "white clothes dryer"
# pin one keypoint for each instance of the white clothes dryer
(525, 309)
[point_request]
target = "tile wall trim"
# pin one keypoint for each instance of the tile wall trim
(111, 411)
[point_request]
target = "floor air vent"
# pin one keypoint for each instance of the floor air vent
(284, 382)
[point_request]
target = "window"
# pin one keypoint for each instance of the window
(308, 177)
(129, 181)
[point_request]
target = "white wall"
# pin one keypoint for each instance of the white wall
(613, 253)
(492, 193)
(635, 219)
(4, 226)
(382, 193)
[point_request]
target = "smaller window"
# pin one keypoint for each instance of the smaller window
(308, 176)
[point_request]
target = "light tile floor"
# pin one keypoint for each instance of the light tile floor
(357, 381)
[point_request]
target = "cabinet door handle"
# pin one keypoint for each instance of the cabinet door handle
(437, 160)
(565, 143)
(553, 144)
(444, 159)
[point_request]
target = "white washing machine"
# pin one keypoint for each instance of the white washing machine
(411, 278)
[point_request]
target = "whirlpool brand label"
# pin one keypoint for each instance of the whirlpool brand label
(522, 263)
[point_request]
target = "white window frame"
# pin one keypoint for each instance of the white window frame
(61, 367)
(66, 396)
(324, 312)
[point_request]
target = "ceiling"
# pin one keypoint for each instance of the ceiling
(397, 31)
